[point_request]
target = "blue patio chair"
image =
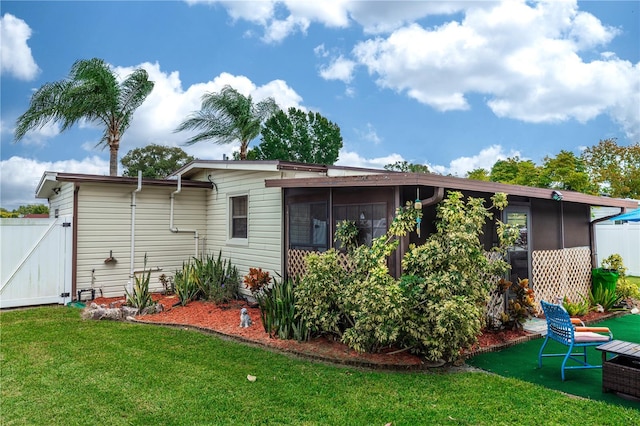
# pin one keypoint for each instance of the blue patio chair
(563, 329)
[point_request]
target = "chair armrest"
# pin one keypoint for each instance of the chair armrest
(594, 329)
(577, 321)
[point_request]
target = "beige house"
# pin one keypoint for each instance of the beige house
(267, 214)
(207, 207)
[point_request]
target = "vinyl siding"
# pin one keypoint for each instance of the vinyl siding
(104, 228)
(263, 247)
(62, 201)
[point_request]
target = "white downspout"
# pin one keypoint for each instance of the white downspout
(174, 229)
(133, 233)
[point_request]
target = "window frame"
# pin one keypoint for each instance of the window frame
(231, 239)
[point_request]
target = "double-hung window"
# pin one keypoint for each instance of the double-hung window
(238, 211)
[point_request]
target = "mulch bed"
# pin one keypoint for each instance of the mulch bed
(224, 320)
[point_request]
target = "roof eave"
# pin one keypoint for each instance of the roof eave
(447, 182)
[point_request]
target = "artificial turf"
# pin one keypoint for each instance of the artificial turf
(521, 362)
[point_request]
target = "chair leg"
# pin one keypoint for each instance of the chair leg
(566, 358)
(546, 339)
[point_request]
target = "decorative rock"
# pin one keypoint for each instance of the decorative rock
(129, 311)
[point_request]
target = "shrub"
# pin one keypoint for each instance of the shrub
(579, 308)
(521, 304)
(624, 288)
(185, 284)
(447, 312)
(167, 284)
(140, 297)
(435, 309)
(217, 280)
(604, 297)
(256, 280)
(320, 294)
(278, 311)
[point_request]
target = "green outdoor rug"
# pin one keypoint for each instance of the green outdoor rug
(521, 362)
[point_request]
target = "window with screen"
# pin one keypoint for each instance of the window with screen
(308, 226)
(371, 219)
(239, 208)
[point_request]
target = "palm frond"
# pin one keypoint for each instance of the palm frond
(47, 104)
(228, 116)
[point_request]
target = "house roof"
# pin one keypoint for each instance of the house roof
(196, 166)
(51, 180)
(448, 182)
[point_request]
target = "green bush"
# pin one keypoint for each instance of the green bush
(207, 278)
(624, 288)
(278, 311)
(576, 309)
(320, 296)
(435, 309)
(605, 297)
(140, 297)
(448, 311)
(217, 279)
(185, 284)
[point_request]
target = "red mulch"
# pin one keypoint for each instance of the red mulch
(225, 319)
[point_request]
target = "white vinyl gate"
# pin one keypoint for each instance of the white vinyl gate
(35, 261)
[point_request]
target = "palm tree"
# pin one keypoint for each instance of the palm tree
(228, 116)
(91, 92)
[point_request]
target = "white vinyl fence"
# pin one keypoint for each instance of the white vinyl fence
(622, 239)
(35, 261)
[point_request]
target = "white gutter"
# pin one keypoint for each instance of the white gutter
(133, 233)
(174, 229)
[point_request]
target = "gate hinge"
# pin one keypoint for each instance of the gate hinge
(66, 225)
(65, 294)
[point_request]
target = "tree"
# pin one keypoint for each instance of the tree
(478, 174)
(24, 210)
(299, 136)
(566, 171)
(614, 169)
(227, 117)
(406, 167)
(515, 171)
(155, 161)
(91, 92)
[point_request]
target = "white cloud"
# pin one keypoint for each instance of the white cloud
(20, 177)
(340, 69)
(485, 159)
(369, 134)
(41, 135)
(15, 54)
(524, 57)
(386, 16)
(169, 104)
(353, 159)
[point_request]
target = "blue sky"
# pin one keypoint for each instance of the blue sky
(454, 85)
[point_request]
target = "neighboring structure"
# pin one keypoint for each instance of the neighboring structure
(263, 213)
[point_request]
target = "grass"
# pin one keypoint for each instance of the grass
(634, 280)
(56, 368)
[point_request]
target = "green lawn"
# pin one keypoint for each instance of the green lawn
(58, 369)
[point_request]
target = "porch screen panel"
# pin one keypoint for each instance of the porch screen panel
(308, 226)
(371, 219)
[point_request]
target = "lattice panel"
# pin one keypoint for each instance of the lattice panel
(559, 273)
(296, 265)
(495, 306)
